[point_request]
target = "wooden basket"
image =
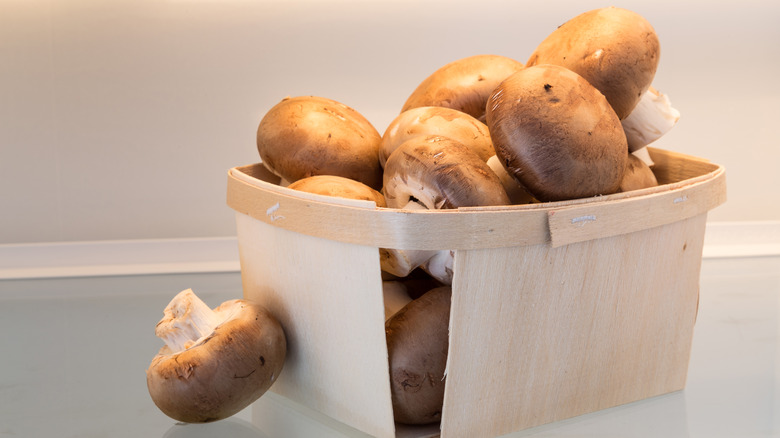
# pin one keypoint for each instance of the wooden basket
(558, 309)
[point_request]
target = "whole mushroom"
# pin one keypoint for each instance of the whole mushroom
(435, 173)
(437, 120)
(215, 362)
(310, 135)
(614, 49)
(556, 134)
(417, 345)
(638, 175)
(340, 187)
(464, 84)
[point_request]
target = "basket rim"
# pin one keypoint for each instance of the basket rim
(255, 192)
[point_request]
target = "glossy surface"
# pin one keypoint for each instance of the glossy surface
(73, 357)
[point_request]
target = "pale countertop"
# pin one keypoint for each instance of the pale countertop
(73, 354)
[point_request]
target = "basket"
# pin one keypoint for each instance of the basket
(558, 309)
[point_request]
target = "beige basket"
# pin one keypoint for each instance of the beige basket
(558, 309)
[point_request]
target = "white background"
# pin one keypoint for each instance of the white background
(119, 119)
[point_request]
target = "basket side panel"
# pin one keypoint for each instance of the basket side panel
(328, 297)
(543, 334)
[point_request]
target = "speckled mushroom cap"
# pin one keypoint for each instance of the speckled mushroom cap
(556, 134)
(440, 173)
(309, 135)
(464, 84)
(437, 120)
(338, 186)
(614, 49)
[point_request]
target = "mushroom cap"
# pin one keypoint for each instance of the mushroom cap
(309, 135)
(417, 344)
(556, 134)
(338, 186)
(440, 173)
(638, 175)
(614, 49)
(464, 84)
(437, 120)
(223, 372)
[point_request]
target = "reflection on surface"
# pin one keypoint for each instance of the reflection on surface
(73, 355)
(230, 427)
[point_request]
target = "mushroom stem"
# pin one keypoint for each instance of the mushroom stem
(652, 117)
(186, 320)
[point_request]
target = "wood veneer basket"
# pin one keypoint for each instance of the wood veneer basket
(558, 309)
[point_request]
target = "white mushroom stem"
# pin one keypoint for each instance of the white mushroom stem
(186, 320)
(653, 117)
(440, 266)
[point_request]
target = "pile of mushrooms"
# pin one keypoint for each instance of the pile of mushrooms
(572, 122)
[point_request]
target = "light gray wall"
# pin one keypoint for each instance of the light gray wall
(119, 119)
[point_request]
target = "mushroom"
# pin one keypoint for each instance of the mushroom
(395, 296)
(309, 135)
(433, 173)
(556, 134)
(614, 49)
(437, 120)
(417, 346)
(464, 84)
(638, 175)
(340, 187)
(215, 362)
(653, 117)
(516, 192)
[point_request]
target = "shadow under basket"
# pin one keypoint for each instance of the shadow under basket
(558, 309)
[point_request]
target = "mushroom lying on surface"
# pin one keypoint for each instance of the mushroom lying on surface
(309, 135)
(437, 120)
(464, 84)
(215, 362)
(614, 49)
(556, 134)
(434, 173)
(417, 345)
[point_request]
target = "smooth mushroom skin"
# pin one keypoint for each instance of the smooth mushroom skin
(417, 344)
(309, 135)
(638, 175)
(220, 373)
(556, 134)
(440, 173)
(614, 49)
(340, 187)
(464, 84)
(437, 120)
(518, 195)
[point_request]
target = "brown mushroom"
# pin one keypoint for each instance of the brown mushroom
(340, 187)
(556, 134)
(309, 135)
(614, 49)
(215, 362)
(417, 345)
(638, 175)
(464, 84)
(437, 120)
(434, 173)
